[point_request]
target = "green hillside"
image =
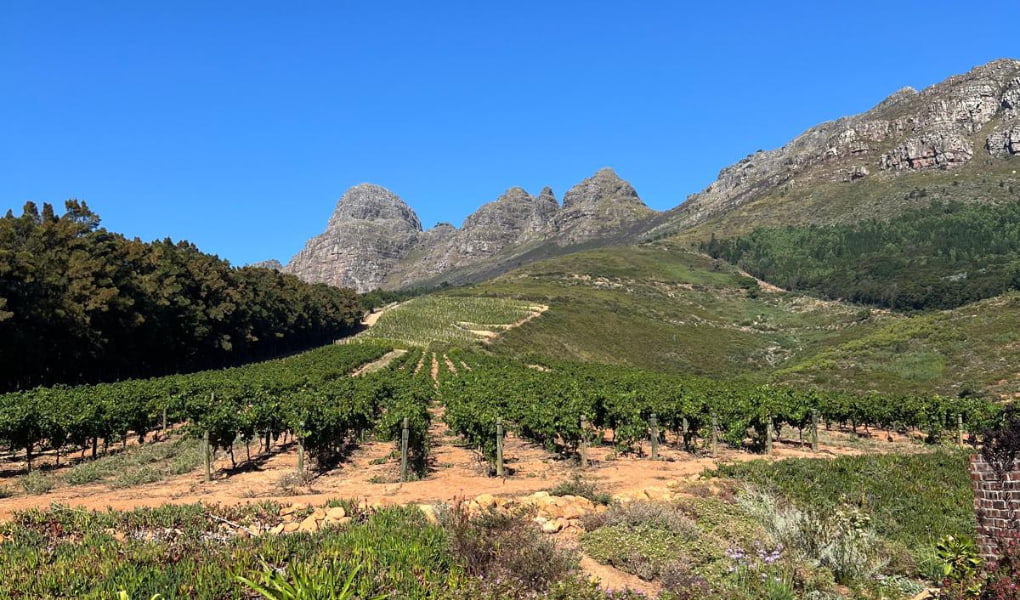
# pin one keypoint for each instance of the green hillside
(972, 348)
(941, 256)
(882, 196)
(670, 309)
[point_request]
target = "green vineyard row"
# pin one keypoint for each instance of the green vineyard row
(561, 405)
(310, 396)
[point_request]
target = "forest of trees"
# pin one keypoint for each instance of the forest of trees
(941, 256)
(81, 304)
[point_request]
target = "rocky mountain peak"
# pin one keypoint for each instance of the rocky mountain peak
(375, 240)
(515, 194)
(369, 232)
(604, 186)
(601, 205)
(271, 264)
(370, 202)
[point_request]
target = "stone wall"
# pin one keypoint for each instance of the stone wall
(997, 506)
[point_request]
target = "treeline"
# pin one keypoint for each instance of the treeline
(81, 304)
(938, 257)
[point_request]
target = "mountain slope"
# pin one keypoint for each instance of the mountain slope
(974, 348)
(668, 309)
(954, 139)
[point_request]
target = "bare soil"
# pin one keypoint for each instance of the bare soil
(371, 472)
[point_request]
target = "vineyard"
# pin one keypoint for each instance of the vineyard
(309, 397)
(567, 406)
(447, 319)
(564, 407)
(326, 406)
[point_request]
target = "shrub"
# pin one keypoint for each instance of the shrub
(504, 550)
(659, 515)
(36, 483)
(842, 540)
(578, 486)
(682, 583)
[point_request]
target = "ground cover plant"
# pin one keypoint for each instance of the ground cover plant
(911, 499)
(208, 552)
(860, 527)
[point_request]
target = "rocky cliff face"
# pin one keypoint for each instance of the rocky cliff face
(600, 205)
(375, 240)
(942, 127)
(370, 231)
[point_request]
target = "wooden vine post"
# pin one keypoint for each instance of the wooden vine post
(499, 447)
(299, 436)
(715, 435)
(768, 433)
(584, 442)
(405, 434)
(653, 424)
(959, 428)
(206, 449)
(207, 456)
(814, 430)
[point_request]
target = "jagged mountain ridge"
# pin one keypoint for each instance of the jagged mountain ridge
(375, 240)
(853, 168)
(942, 128)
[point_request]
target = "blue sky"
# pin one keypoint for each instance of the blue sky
(237, 125)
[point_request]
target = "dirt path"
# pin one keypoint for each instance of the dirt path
(611, 578)
(371, 472)
(380, 363)
(372, 317)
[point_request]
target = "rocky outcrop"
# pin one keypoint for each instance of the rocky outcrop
(1004, 142)
(937, 149)
(375, 240)
(370, 231)
(271, 264)
(600, 205)
(941, 127)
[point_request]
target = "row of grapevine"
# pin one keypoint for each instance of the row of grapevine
(562, 404)
(309, 395)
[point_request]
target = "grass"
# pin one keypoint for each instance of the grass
(139, 465)
(584, 488)
(975, 346)
(446, 319)
(36, 483)
(666, 309)
(912, 499)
